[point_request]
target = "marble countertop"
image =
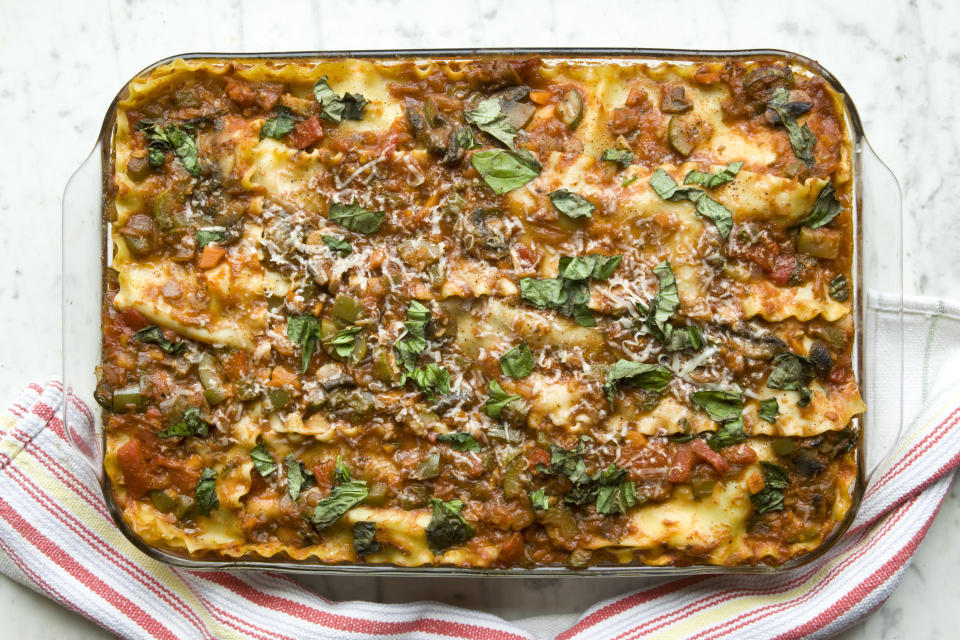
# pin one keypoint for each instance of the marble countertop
(63, 62)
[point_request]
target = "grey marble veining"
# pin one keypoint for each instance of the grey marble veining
(62, 63)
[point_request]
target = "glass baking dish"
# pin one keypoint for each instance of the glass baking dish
(877, 278)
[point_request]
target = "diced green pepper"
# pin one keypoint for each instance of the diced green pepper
(702, 488)
(346, 308)
(784, 446)
(276, 399)
(513, 485)
(245, 389)
(210, 379)
(429, 467)
(128, 399)
(163, 502)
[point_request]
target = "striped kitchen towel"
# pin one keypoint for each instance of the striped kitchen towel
(57, 537)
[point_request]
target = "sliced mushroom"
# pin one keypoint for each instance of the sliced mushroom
(448, 402)
(798, 103)
(673, 99)
(480, 240)
(514, 103)
(333, 375)
(821, 358)
(440, 140)
(760, 83)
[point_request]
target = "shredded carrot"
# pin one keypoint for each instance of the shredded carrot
(540, 97)
(211, 256)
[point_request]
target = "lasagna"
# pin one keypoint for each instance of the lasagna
(483, 311)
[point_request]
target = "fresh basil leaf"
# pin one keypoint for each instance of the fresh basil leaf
(768, 410)
(649, 377)
(825, 209)
(154, 335)
(279, 125)
(571, 204)
(498, 400)
(335, 108)
(342, 498)
(296, 477)
(667, 188)
(517, 362)
(210, 235)
(793, 373)
(465, 139)
(729, 433)
(190, 425)
(355, 218)
(802, 139)
(774, 476)
(304, 330)
(719, 405)
(447, 527)
(615, 494)
(715, 179)
(767, 500)
(543, 293)
(621, 157)
(680, 338)
(505, 171)
(666, 301)
(432, 379)
(596, 266)
(707, 207)
(345, 341)
(262, 460)
(337, 245)
(491, 120)
(539, 500)
(206, 492)
(363, 538)
(840, 288)
(460, 441)
(413, 344)
(569, 462)
(184, 148)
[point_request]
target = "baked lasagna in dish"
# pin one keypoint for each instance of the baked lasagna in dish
(481, 312)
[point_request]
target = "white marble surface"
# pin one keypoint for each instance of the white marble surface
(61, 64)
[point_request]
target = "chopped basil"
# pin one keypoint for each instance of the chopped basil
(432, 379)
(498, 400)
(465, 139)
(190, 425)
(447, 527)
(569, 462)
(715, 179)
(706, 207)
(337, 245)
(355, 218)
(491, 120)
(154, 335)
(170, 137)
(802, 139)
(517, 362)
(345, 341)
(768, 410)
(840, 288)
(342, 498)
(615, 494)
(262, 460)
(649, 377)
(214, 235)
(206, 492)
(598, 267)
(667, 299)
(363, 538)
(459, 441)
(729, 433)
(505, 171)
(770, 498)
(543, 293)
(538, 499)
(304, 330)
(410, 347)
(298, 478)
(571, 204)
(793, 373)
(825, 209)
(279, 125)
(719, 405)
(335, 108)
(621, 157)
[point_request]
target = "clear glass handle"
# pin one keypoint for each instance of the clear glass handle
(880, 305)
(83, 243)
